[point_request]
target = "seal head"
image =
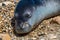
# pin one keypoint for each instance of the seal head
(30, 12)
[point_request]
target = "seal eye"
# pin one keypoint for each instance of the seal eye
(27, 15)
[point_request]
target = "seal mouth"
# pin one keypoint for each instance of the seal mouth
(22, 27)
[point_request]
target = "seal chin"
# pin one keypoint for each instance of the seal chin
(23, 28)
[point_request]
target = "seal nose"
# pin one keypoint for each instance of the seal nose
(26, 27)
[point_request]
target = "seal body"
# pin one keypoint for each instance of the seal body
(30, 12)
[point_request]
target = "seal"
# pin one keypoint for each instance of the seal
(30, 12)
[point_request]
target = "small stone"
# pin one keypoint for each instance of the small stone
(9, 28)
(0, 21)
(5, 20)
(57, 19)
(0, 4)
(5, 36)
(6, 3)
(0, 18)
(42, 38)
(52, 36)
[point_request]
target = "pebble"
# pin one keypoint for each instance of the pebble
(57, 19)
(0, 4)
(7, 3)
(52, 36)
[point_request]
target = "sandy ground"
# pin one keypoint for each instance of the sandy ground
(48, 29)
